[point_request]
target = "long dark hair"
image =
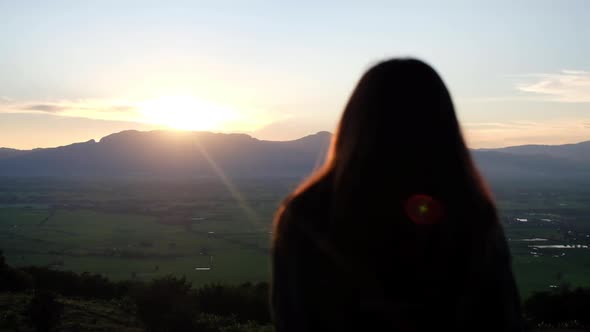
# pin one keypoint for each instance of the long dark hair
(398, 144)
(399, 136)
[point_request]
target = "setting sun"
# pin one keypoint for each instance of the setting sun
(187, 113)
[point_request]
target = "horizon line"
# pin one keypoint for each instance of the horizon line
(177, 131)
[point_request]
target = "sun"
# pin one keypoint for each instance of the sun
(186, 113)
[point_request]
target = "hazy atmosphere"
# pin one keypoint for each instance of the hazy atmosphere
(190, 166)
(72, 71)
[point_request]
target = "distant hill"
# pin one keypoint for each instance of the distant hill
(7, 153)
(171, 153)
(577, 151)
(204, 154)
(567, 161)
(497, 165)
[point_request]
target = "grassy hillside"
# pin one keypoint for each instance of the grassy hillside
(78, 315)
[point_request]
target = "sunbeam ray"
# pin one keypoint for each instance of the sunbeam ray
(251, 215)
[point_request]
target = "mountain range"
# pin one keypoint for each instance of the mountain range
(205, 154)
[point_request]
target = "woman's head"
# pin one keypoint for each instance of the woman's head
(399, 136)
(400, 118)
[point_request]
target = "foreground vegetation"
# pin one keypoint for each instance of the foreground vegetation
(41, 299)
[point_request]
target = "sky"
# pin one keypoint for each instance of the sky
(71, 71)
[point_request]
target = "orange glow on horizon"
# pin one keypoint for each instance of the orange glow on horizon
(192, 113)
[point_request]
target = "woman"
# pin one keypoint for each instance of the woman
(397, 231)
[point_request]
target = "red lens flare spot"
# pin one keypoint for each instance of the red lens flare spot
(423, 209)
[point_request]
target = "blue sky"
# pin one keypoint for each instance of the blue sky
(519, 71)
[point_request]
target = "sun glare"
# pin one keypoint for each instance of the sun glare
(187, 113)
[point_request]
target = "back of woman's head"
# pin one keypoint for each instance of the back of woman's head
(398, 138)
(400, 127)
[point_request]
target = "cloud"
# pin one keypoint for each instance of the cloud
(91, 109)
(567, 86)
(499, 134)
(499, 125)
(122, 108)
(44, 108)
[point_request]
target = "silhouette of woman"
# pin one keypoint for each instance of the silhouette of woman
(397, 231)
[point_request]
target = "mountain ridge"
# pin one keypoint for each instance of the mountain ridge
(163, 152)
(189, 154)
(573, 151)
(4, 150)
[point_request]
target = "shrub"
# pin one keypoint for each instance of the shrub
(561, 308)
(166, 305)
(44, 311)
(248, 302)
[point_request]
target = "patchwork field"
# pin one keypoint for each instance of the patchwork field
(210, 232)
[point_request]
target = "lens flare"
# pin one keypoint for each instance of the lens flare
(423, 209)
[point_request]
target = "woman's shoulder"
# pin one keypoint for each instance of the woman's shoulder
(305, 210)
(312, 203)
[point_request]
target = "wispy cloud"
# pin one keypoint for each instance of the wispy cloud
(568, 86)
(44, 108)
(554, 131)
(515, 125)
(86, 108)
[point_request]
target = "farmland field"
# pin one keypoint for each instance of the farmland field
(131, 229)
(209, 231)
(548, 227)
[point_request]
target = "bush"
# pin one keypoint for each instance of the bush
(11, 279)
(561, 308)
(15, 280)
(44, 311)
(9, 321)
(215, 323)
(68, 283)
(248, 302)
(167, 305)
